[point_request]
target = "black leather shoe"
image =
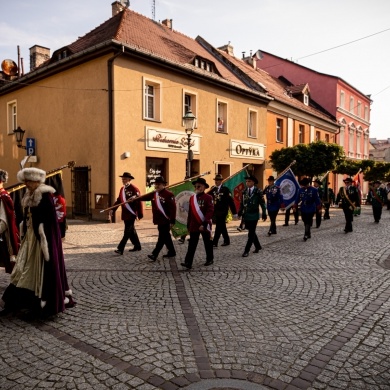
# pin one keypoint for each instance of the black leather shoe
(134, 249)
(245, 254)
(296, 223)
(207, 263)
(119, 252)
(225, 244)
(4, 312)
(269, 233)
(257, 250)
(285, 224)
(169, 255)
(152, 257)
(216, 246)
(185, 265)
(305, 238)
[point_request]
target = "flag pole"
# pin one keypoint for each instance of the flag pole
(144, 195)
(283, 172)
(229, 177)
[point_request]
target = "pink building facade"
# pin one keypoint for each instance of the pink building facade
(347, 104)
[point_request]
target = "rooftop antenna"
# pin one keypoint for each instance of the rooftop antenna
(154, 9)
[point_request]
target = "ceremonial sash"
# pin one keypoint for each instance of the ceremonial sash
(197, 212)
(349, 200)
(159, 205)
(377, 197)
(127, 205)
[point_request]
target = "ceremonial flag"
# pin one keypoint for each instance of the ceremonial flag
(289, 187)
(182, 193)
(236, 184)
(357, 184)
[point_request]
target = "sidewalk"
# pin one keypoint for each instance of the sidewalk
(298, 315)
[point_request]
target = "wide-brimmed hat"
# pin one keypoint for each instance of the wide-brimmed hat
(128, 175)
(271, 178)
(251, 177)
(348, 179)
(218, 177)
(318, 181)
(304, 182)
(160, 180)
(31, 174)
(200, 180)
(3, 176)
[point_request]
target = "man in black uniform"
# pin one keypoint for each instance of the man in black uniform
(223, 200)
(348, 196)
(317, 184)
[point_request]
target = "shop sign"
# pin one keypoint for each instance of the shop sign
(170, 141)
(243, 149)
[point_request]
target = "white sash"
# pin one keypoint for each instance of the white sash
(198, 211)
(127, 204)
(159, 205)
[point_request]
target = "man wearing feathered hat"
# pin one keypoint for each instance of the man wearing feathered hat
(199, 223)
(274, 200)
(130, 212)
(9, 235)
(223, 201)
(252, 199)
(38, 280)
(164, 216)
(309, 201)
(348, 197)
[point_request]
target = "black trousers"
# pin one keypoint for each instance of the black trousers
(318, 218)
(377, 211)
(272, 216)
(193, 243)
(252, 236)
(164, 238)
(287, 216)
(348, 213)
(326, 208)
(307, 219)
(220, 228)
(129, 234)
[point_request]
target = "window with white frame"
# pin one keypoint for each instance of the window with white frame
(152, 100)
(351, 139)
(351, 105)
(342, 99)
(12, 117)
(190, 104)
(252, 123)
(221, 117)
(301, 134)
(306, 99)
(359, 109)
(279, 130)
(366, 113)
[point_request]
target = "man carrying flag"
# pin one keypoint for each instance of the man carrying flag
(199, 222)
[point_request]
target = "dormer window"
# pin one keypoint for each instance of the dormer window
(306, 99)
(204, 64)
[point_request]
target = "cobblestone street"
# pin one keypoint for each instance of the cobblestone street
(297, 315)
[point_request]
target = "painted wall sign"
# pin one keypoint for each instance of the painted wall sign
(244, 149)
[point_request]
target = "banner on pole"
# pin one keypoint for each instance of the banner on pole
(236, 185)
(289, 187)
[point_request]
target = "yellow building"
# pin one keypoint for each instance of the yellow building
(113, 101)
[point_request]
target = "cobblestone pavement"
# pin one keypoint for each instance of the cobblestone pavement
(297, 315)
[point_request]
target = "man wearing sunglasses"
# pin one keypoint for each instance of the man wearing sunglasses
(199, 223)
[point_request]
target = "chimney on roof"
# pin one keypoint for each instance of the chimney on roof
(227, 49)
(167, 22)
(119, 6)
(38, 55)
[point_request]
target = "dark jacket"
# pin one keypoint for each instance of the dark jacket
(206, 206)
(168, 204)
(308, 199)
(274, 197)
(130, 191)
(222, 201)
(249, 207)
(353, 195)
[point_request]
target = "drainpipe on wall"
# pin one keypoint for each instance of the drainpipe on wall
(111, 155)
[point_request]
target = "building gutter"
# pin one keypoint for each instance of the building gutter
(111, 154)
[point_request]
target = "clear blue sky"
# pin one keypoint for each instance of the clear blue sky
(287, 28)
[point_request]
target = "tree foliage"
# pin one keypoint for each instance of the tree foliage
(312, 159)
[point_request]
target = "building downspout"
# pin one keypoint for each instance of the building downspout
(111, 155)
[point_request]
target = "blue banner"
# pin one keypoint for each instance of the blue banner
(289, 187)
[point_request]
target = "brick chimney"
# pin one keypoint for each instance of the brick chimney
(227, 49)
(117, 7)
(38, 55)
(167, 22)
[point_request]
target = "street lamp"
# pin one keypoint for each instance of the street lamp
(189, 120)
(19, 134)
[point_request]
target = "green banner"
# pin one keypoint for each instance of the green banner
(236, 185)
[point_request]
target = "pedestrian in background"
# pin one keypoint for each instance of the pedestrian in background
(317, 184)
(223, 201)
(309, 201)
(164, 216)
(274, 200)
(199, 223)
(295, 213)
(377, 198)
(129, 213)
(252, 199)
(348, 198)
(9, 234)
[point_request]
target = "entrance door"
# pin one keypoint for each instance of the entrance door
(81, 192)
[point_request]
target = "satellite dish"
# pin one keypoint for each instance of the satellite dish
(9, 67)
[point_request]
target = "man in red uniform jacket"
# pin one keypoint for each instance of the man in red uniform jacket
(164, 216)
(199, 222)
(129, 213)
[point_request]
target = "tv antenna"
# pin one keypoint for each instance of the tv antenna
(154, 9)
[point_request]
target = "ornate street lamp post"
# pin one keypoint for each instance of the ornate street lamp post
(189, 120)
(19, 134)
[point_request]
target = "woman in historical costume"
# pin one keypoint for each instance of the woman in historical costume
(38, 280)
(9, 236)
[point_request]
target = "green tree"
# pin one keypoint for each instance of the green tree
(312, 159)
(378, 170)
